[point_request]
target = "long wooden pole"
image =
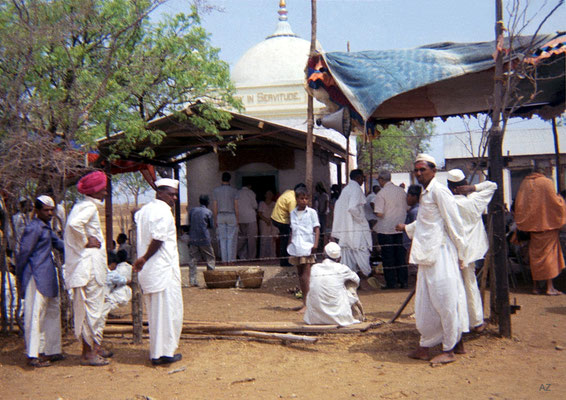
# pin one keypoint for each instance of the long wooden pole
(557, 155)
(310, 108)
(498, 242)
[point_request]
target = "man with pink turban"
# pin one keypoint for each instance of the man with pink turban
(86, 267)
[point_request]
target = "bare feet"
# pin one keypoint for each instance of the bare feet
(478, 329)
(94, 361)
(302, 310)
(420, 353)
(443, 358)
(553, 292)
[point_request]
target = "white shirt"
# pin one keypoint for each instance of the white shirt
(391, 201)
(350, 226)
(438, 220)
(471, 208)
(155, 221)
(368, 210)
(302, 227)
(328, 300)
(247, 206)
(82, 263)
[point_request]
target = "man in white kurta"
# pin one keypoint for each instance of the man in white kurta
(350, 226)
(329, 301)
(160, 274)
(472, 201)
(438, 245)
(86, 267)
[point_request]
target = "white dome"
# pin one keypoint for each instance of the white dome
(278, 59)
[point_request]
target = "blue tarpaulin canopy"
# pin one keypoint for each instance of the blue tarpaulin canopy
(442, 79)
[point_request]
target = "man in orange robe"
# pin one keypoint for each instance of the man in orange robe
(540, 211)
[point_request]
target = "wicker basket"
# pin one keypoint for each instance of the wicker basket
(220, 279)
(251, 278)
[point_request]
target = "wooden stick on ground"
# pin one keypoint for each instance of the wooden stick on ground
(400, 310)
(267, 335)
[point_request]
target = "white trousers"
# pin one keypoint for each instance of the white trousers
(88, 304)
(356, 259)
(165, 317)
(473, 296)
(42, 323)
(440, 301)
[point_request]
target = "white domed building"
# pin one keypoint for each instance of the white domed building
(269, 79)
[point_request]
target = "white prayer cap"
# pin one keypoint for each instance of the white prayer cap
(455, 175)
(332, 249)
(425, 158)
(48, 201)
(167, 182)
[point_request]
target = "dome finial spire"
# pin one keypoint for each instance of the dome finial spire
(282, 10)
(283, 27)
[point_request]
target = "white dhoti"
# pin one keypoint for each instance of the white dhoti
(165, 317)
(88, 304)
(440, 302)
(42, 323)
(473, 296)
(356, 259)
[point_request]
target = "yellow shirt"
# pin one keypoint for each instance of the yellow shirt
(283, 207)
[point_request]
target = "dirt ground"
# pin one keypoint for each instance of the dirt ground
(370, 365)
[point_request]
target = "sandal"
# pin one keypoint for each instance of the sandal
(38, 363)
(54, 357)
(96, 361)
(104, 353)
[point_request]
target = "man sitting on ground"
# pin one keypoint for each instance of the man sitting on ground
(117, 280)
(329, 301)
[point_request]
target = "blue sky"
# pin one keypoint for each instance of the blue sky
(366, 24)
(369, 25)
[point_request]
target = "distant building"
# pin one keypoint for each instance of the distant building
(520, 150)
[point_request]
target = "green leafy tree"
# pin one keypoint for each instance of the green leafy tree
(396, 146)
(74, 71)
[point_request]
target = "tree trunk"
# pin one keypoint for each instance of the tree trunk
(497, 210)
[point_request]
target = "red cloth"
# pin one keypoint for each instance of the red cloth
(92, 183)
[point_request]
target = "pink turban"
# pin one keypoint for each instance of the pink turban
(92, 183)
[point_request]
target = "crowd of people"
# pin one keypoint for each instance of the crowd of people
(435, 228)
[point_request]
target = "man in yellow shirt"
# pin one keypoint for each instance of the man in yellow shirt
(280, 219)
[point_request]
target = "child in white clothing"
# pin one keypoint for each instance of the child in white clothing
(305, 232)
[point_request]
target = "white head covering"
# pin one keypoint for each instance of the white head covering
(455, 175)
(426, 158)
(48, 201)
(167, 182)
(332, 249)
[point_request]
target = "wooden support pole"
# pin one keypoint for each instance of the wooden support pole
(108, 207)
(310, 109)
(497, 211)
(557, 156)
(178, 202)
